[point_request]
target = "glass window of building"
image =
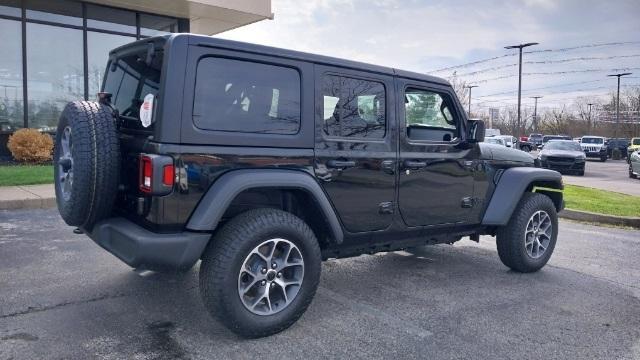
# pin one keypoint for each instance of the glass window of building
(58, 11)
(55, 72)
(11, 101)
(106, 18)
(10, 8)
(99, 45)
(152, 25)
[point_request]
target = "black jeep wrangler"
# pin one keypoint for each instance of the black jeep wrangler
(263, 162)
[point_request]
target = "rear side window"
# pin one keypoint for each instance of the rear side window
(242, 96)
(353, 108)
(129, 79)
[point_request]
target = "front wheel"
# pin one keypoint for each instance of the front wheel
(526, 243)
(603, 159)
(260, 272)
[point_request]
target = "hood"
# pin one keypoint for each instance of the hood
(502, 153)
(564, 153)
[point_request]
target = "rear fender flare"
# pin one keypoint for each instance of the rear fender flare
(224, 190)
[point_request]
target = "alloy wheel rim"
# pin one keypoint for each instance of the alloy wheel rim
(65, 164)
(271, 276)
(538, 234)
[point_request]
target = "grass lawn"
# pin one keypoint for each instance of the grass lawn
(26, 175)
(601, 201)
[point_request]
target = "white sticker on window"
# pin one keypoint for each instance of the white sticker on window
(146, 110)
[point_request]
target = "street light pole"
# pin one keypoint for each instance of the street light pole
(590, 105)
(470, 87)
(615, 130)
(520, 47)
(535, 113)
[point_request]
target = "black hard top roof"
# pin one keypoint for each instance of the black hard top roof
(202, 40)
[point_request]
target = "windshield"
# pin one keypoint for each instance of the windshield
(592, 140)
(129, 79)
(535, 136)
(636, 141)
(494, 141)
(563, 145)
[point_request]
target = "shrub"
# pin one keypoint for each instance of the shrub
(616, 154)
(30, 145)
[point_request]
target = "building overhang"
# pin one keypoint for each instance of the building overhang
(206, 17)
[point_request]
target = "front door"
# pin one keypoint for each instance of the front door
(356, 145)
(436, 170)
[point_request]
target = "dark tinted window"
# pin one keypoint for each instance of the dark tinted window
(152, 25)
(106, 18)
(60, 11)
(10, 8)
(242, 96)
(129, 80)
(353, 108)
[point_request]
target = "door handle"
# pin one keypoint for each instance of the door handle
(340, 164)
(413, 164)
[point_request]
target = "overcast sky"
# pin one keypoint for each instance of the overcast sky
(427, 35)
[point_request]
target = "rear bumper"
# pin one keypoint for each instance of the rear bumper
(144, 249)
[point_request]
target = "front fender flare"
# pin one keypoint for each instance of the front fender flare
(224, 190)
(511, 186)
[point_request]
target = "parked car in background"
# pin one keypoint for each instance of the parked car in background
(525, 145)
(547, 138)
(495, 140)
(594, 146)
(618, 143)
(564, 156)
(577, 140)
(492, 132)
(509, 141)
(536, 139)
(634, 146)
(634, 164)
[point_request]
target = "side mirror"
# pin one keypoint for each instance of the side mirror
(476, 131)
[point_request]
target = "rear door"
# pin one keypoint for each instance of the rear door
(356, 145)
(436, 169)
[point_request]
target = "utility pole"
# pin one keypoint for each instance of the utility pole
(615, 130)
(470, 87)
(535, 113)
(520, 47)
(590, 105)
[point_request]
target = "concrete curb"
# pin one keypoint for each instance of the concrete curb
(27, 197)
(632, 222)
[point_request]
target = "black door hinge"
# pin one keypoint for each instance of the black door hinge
(386, 207)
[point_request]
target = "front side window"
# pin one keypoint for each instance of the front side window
(353, 108)
(428, 116)
(243, 96)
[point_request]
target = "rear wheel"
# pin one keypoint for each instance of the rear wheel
(526, 243)
(631, 174)
(260, 272)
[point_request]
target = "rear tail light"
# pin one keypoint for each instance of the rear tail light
(157, 174)
(168, 175)
(146, 174)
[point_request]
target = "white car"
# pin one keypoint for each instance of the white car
(594, 146)
(495, 140)
(509, 141)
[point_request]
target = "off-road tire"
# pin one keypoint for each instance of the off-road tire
(580, 172)
(510, 239)
(96, 163)
(225, 255)
(603, 159)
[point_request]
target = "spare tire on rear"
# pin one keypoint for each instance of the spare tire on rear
(86, 163)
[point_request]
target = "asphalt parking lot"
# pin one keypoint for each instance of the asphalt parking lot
(611, 175)
(61, 296)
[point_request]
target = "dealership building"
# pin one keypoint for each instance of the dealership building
(54, 51)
